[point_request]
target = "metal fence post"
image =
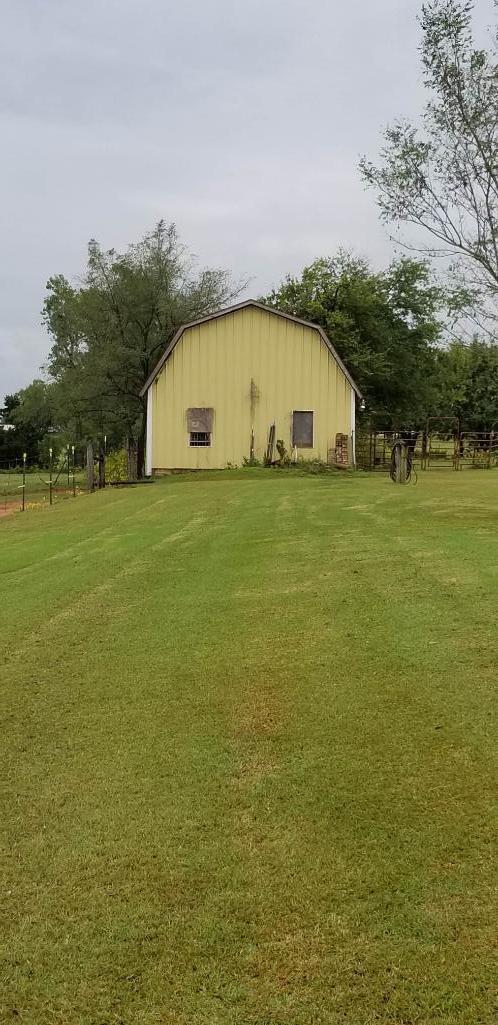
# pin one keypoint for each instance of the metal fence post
(24, 456)
(50, 473)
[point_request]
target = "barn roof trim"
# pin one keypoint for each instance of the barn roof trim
(234, 309)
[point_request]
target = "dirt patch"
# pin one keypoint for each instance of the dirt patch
(259, 718)
(8, 507)
(255, 726)
(255, 768)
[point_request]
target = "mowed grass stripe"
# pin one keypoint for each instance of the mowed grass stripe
(376, 726)
(99, 780)
(254, 791)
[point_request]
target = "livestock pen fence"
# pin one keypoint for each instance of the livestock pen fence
(23, 484)
(438, 446)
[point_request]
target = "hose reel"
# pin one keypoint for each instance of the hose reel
(401, 467)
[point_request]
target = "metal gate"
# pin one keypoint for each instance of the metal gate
(438, 447)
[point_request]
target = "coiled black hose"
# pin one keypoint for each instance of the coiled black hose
(398, 451)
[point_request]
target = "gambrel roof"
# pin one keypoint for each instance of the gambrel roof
(242, 306)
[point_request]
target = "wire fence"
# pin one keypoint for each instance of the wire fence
(23, 486)
(74, 470)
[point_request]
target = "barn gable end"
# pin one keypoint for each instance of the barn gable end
(225, 379)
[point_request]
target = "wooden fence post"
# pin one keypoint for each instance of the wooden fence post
(131, 459)
(101, 465)
(89, 466)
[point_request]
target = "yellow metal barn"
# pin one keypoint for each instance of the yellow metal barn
(225, 380)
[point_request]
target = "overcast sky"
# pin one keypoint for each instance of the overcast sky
(242, 122)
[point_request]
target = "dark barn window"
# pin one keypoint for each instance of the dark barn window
(302, 428)
(200, 439)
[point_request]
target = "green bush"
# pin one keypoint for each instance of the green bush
(116, 466)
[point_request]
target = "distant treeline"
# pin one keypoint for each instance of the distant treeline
(391, 328)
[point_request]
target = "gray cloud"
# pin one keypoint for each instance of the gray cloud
(241, 122)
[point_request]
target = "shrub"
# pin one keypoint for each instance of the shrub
(116, 465)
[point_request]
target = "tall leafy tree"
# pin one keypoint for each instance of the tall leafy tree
(109, 331)
(9, 442)
(443, 176)
(30, 412)
(383, 325)
(468, 377)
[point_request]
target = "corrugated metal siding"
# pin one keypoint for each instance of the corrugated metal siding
(213, 366)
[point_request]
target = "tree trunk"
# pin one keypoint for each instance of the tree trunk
(101, 465)
(131, 459)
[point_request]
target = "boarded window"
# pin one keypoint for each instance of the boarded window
(302, 428)
(200, 419)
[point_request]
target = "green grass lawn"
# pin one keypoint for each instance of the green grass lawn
(249, 753)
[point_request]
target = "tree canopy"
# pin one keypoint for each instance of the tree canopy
(109, 330)
(29, 415)
(468, 384)
(383, 325)
(443, 176)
